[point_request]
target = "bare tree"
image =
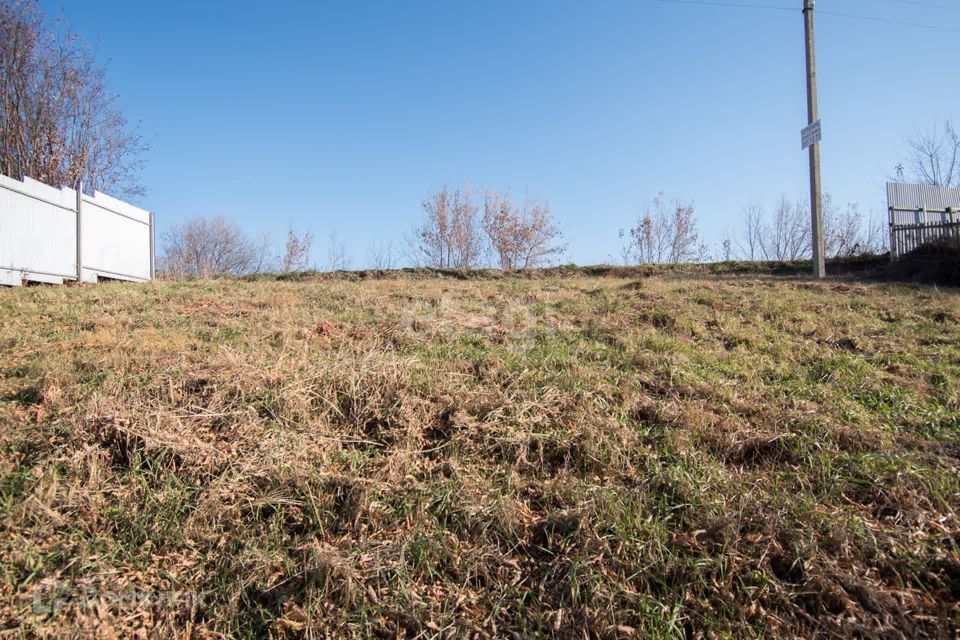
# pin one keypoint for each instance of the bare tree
(850, 233)
(202, 247)
(933, 158)
(841, 229)
(521, 238)
(875, 237)
(380, 255)
(749, 248)
(337, 258)
(58, 122)
(296, 252)
(450, 236)
(787, 235)
(264, 259)
(664, 233)
(726, 249)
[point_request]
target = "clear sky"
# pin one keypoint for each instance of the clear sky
(343, 116)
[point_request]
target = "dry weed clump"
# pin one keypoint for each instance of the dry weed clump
(565, 456)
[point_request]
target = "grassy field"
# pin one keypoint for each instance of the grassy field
(562, 457)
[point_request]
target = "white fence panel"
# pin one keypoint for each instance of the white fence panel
(38, 235)
(38, 231)
(115, 239)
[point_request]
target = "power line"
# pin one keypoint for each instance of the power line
(837, 14)
(926, 5)
(855, 16)
(736, 5)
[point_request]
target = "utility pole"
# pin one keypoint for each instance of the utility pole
(816, 199)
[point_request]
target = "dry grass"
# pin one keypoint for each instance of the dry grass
(567, 457)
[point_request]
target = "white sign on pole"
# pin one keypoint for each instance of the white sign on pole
(810, 135)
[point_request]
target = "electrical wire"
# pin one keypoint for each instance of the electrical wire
(736, 5)
(926, 5)
(826, 12)
(855, 16)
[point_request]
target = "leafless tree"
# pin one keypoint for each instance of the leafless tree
(749, 247)
(203, 247)
(726, 249)
(787, 235)
(933, 158)
(58, 122)
(337, 258)
(296, 252)
(380, 255)
(521, 237)
(449, 236)
(264, 259)
(849, 232)
(841, 229)
(664, 234)
(875, 234)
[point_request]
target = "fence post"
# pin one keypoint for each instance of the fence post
(153, 245)
(922, 231)
(79, 232)
(893, 235)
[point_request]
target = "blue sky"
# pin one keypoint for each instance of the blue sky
(342, 116)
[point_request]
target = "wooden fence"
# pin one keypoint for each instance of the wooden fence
(920, 214)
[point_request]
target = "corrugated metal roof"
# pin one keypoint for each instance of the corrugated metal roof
(922, 196)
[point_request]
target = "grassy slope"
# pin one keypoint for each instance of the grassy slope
(565, 457)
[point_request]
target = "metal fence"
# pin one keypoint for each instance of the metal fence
(920, 214)
(53, 235)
